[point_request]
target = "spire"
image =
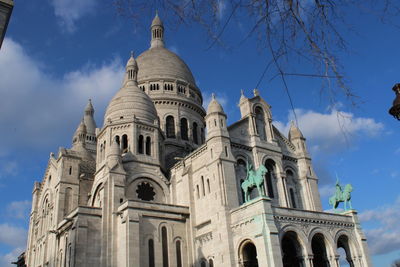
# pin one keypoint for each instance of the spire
(294, 131)
(88, 118)
(157, 32)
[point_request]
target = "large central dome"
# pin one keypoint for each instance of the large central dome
(158, 62)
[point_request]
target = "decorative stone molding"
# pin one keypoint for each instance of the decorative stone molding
(204, 238)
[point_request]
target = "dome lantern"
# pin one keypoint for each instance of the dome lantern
(157, 32)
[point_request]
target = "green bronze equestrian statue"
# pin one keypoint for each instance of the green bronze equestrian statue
(341, 196)
(254, 179)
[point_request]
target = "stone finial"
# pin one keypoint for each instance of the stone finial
(256, 92)
(241, 92)
(213, 96)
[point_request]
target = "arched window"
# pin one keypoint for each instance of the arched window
(124, 143)
(292, 198)
(170, 127)
(203, 263)
(117, 139)
(70, 170)
(151, 253)
(140, 144)
(164, 240)
(195, 137)
(197, 191)
(270, 165)
(178, 254)
(208, 185)
(184, 129)
(260, 123)
(210, 263)
(248, 255)
(291, 185)
(148, 145)
(202, 136)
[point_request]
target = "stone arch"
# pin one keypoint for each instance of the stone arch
(352, 249)
(293, 247)
(320, 248)
(247, 253)
(97, 196)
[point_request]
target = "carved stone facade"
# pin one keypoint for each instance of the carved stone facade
(149, 188)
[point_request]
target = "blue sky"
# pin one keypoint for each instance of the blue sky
(57, 54)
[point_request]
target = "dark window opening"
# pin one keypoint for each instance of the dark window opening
(151, 253)
(148, 145)
(292, 198)
(270, 165)
(202, 185)
(195, 138)
(164, 241)
(140, 144)
(124, 143)
(178, 254)
(170, 127)
(184, 129)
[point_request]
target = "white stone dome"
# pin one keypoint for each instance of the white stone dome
(130, 101)
(160, 63)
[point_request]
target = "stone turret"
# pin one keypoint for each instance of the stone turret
(216, 120)
(297, 139)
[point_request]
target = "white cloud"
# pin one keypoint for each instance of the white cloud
(19, 209)
(69, 11)
(6, 259)
(8, 168)
(12, 235)
(385, 237)
(331, 132)
(39, 110)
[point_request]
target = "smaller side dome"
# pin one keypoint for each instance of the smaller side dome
(294, 132)
(130, 101)
(214, 106)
